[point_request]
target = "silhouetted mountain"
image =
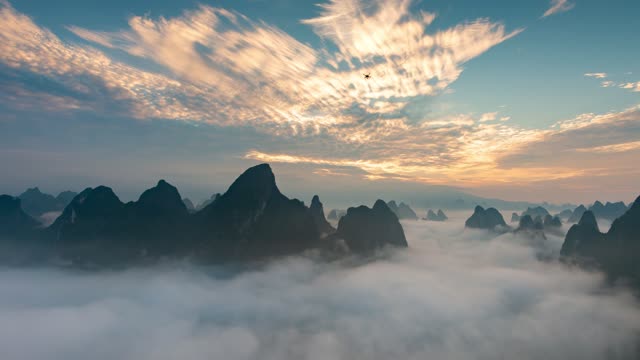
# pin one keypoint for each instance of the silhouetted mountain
(609, 211)
(253, 219)
(207, 202)
(336, 214)
(14, 222)
(64, 198)
(406, 212)
(317, 211)
(565, 214)
(552, 221)
(616, 252)
(532, 228)
(515, 217)
(485, 219)
(440, 216)
(189, 204)
(535, 212)
(365, 229)
(577, 214)
(584, 239)
(36, 203)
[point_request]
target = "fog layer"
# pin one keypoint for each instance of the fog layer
(454, 294)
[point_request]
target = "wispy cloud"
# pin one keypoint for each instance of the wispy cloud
(599, 75)
(488, 116)
(633, 86)
(559, 6)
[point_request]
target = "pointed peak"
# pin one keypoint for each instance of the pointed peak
(588, 219)
(162, 183)
(380, 204)
(315, 200)
(478, 208)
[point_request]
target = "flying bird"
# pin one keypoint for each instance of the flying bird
(367, 76)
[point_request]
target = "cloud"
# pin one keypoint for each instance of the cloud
(488, 116)
(615, 148)
(633, 86)
(454, 294)
(472, 154)
(559, 6)
(223, 68)
(596, 75)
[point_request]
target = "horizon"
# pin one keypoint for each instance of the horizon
(527, 103)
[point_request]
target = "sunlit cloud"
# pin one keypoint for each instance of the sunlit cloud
(488, 116)
(599, 75)
(473, 154)
(559, 6)
(615, 148)
(633, 86)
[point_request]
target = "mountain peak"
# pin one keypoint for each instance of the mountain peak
(588, 220)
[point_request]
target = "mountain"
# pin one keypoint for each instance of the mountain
(440, 216)
(207, 202)
(37, 203)
(552, 221)
(609, 211)
(533, 228)
(14, 222)
(367, 229)
(253, 219)
(485, 219)
(584, 239)
(317, 211)
(577, 214)
(534, 212)
(565, 214)
(402, 211)
(189, 204)
(515, 217)
(64, 198)
(336, 214)
(616, 252)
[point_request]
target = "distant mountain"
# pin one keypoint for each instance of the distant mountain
(485, 219)
(365, 229)
(535, 212)
(533, 228)
(577, 214)
(515, 217)
(565, 214)
(402, 211)
(36, 203)
(207, 202)
(432, 216)
(189, 204)
(317, 211)
(336, 214)
(617, 252)
(608, 211)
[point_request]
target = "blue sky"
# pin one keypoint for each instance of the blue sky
(522, 102)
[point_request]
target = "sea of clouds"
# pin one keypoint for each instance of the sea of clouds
(454, 294)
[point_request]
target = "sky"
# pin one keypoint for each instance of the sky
(537, 101)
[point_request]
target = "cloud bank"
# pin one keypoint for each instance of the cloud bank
(455, 294)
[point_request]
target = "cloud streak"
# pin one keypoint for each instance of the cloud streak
(559, 6)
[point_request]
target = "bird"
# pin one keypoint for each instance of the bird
(367, 76)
